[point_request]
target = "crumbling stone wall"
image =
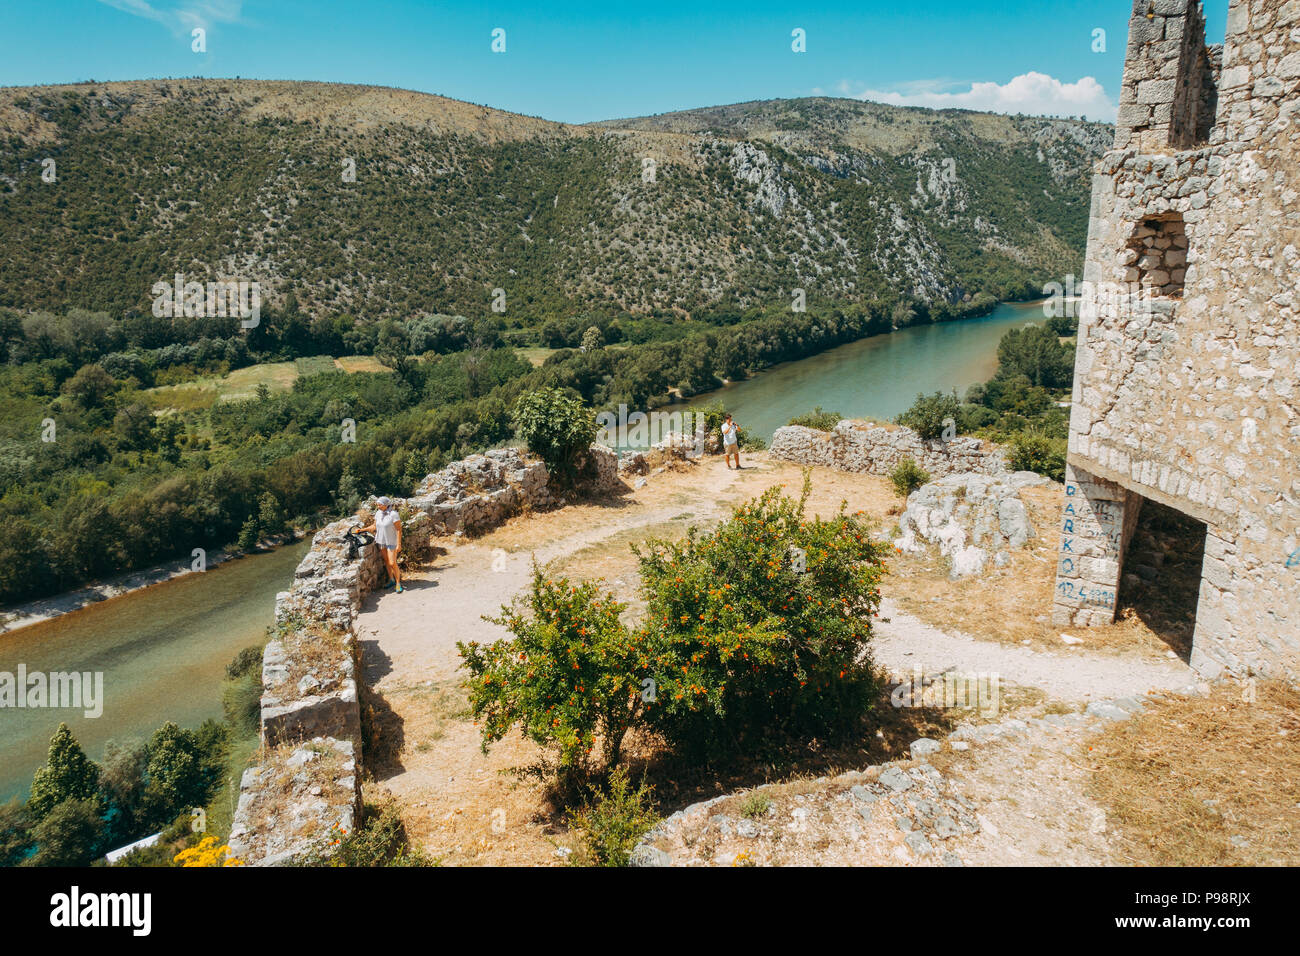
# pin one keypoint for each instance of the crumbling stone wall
(878, 449)
(1191, 395)
(286, 805)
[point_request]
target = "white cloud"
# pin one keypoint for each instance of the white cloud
(1036, 94)
(182, 16)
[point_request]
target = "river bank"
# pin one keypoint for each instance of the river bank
(162, 651)
(876, 377)
(18, 616)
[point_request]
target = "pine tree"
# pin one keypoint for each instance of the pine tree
(349, 495)
(269, 518)
(248, 535)
(68, 774)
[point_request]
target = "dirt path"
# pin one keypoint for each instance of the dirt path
(904, 643)
(467, 807)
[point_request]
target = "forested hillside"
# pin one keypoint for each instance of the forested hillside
(850, 201)
(635, 262)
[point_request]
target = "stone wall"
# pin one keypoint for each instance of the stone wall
(1189, 393)
(878, 449)
(311, 717)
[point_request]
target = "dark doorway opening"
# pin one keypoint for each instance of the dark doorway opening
(1161, 583)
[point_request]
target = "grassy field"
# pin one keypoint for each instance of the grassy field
(241, 384)
(360, 363)
(535, 356)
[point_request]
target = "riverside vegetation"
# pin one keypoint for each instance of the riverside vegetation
(115, 452)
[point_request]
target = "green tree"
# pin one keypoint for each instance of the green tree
(70, 834)
(91, 387)
(1036, 353)
(15, 833)
(593, 339)
(568, 676)
(929, 413)
(761, 626)
(248, 534)
(134, 427)
(348, 495)
(556, 426)
(68, 774)
(270, 519)
(177, 770)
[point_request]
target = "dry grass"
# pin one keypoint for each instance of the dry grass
(535, 356)
(1183, 778)
(275, 803)
(314, 649)
(1013, 605)
(238, 385)
(360, 363)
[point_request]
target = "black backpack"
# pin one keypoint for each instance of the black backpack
(356, 540)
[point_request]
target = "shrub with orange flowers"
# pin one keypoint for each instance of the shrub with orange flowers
(762, 625)
(568, 677)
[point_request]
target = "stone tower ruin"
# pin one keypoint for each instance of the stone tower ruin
(1187, 374)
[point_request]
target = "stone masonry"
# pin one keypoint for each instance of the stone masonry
(304, 789)
(1187, 374)
(877, 449)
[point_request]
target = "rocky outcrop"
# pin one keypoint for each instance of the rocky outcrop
(971, 517)
(309, 688)
(877, 449)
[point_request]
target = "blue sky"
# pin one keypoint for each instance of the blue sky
(578, 62)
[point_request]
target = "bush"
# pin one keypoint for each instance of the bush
(755, 805)
(247, 661)
(570, 674)
(70, 834)
(907, 476)
(241, 702)
(241, 694)
(381, 840)
(818, 418)
(557, 427)
(611, 825)
(928, 414)
(1034, 451)
(760, 626)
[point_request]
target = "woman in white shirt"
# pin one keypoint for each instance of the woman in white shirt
(387, 529)
(730, 440)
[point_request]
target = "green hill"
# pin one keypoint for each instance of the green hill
(238, 178)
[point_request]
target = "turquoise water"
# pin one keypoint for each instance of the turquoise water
(163, 653)
(876, 377)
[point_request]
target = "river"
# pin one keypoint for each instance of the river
(162, 650)
(876, 377)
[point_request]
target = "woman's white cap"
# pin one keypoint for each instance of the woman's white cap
(383, 500)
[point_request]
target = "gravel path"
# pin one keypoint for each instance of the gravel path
(905, 643)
